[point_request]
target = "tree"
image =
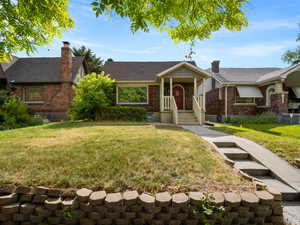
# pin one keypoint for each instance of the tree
(94, 63)
(25, 24)
(93, 93)
(184, 20)
(292, 56)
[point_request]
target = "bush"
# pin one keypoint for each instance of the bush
(35, 120)
(127, 113)
(265, 118)
(93, 93)
(14, 113)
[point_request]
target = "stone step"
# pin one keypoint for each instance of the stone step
(251, 167)
(288, 193)
(234, 153)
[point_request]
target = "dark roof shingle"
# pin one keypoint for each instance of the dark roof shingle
(40, 70)
(137, 71)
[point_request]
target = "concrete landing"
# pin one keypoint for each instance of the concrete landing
(251, 167)
(234, 153)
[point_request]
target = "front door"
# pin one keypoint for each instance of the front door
(178, 95)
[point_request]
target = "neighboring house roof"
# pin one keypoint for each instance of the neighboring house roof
(138, 71)
(242, 75)
(40, 70)
(278, 74)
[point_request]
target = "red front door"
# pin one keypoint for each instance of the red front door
(178, 95)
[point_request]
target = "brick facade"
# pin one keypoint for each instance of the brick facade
(56, 100)
(216, 106)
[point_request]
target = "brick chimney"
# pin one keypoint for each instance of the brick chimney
(215, 66)
(66, 61)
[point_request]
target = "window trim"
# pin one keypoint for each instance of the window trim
(242, 103)
(32, 102)
(132, 103)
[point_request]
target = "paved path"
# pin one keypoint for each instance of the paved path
(281, 168)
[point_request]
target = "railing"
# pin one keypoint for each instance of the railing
(174, 110)
(167, 103)
(197, 108)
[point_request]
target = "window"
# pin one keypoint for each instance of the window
(244, 100)
(133, 95)
(33, 94)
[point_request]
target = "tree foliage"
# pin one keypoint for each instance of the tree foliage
(184, 20)
(292, 56)
(25, 24)
(94, 63)
(93, 93)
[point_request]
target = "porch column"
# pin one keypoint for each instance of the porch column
(171, 86)
(203, 94)
(195, 86)
(162, 94)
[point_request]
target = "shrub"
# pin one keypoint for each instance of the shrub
(128, 113)
(14, 113)
(265, 118)
(35, 120)
(93, 93)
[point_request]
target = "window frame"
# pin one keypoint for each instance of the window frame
(33, 102)
(243, 103)
(132, 86)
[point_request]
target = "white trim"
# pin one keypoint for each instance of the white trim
(190, 66)
(268, 97)
(132, 103)
(179, 85)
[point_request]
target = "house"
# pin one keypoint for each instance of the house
(238, 92)
(169, 90)
(45, 84)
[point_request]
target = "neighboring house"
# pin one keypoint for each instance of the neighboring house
(167, 89)
(233, 92)
(45, 84)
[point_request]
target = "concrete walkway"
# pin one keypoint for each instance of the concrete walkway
(265, 162)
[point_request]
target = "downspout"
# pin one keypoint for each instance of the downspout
(225, 102)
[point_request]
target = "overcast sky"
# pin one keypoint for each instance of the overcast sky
(273, 27)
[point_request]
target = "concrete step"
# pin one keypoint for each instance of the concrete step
(251, 167)
(234, 153)
(288, 193)
(188, 123)
(225, 144)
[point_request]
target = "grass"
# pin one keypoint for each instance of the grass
(113, 157)
(282, 139)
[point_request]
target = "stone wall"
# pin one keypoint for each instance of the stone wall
(24, 205)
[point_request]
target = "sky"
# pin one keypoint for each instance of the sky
(273, 28)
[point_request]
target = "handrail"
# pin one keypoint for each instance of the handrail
(166, 103)
(197, 109)
(174, 110)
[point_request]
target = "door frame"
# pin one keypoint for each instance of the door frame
(183, 91)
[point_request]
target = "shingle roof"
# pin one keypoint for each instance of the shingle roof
(39, 70)
(6, 65)
(242, 75)
(137, 71)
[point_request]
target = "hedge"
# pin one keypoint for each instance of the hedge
(127, 113)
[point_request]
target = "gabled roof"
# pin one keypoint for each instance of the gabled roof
(138, 71)
(40, 70)
(242, 75)
(6, 65)
(279, 74)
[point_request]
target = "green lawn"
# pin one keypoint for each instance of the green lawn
(114, 157)
(282, 139)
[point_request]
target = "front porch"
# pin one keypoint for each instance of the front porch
(182, 96)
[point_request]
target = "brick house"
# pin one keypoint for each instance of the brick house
(167, 89)
(238, 92)
(45, 84)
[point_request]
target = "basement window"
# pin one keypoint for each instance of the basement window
(33, 94)
(132, 95)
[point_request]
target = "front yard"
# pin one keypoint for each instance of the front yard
(114, 157)
(282, 139)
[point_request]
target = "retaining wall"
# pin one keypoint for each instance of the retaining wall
(24, 205)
